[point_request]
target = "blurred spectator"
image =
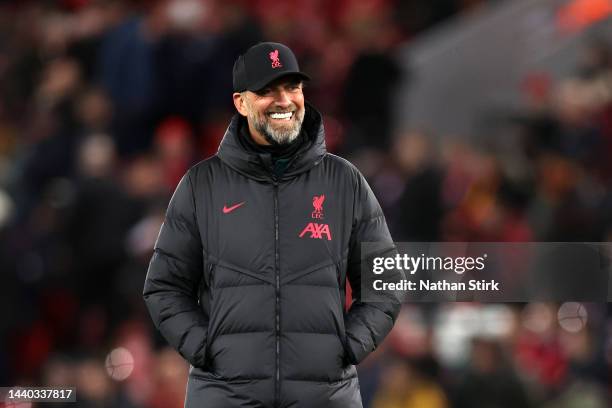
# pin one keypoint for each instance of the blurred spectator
(410, 385)
(102, 211)
(368, 109)
(127, 72)
(419, 208)
(174, 145)
(490, 380)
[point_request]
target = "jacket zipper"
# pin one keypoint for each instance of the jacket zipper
(277, 297)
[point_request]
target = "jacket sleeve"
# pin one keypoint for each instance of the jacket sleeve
(369, 320)
(173, 278)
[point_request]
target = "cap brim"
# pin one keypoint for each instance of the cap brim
(262, 83)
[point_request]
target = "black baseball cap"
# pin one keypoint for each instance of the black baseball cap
(262, 64)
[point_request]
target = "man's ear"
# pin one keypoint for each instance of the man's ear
(239, 103)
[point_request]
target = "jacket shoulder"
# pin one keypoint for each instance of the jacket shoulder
(201, 171)
(201, 175)
(205, 165)
(341, 164)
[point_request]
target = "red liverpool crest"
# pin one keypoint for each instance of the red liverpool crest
(275, 59)
(317, 202)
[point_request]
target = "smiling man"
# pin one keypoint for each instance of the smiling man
(247, 281)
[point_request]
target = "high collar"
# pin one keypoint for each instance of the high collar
(277, 151)
(258, 165)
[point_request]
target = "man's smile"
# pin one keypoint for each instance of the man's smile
(281, 115)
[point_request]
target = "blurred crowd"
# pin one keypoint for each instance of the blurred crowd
(105, 104)
(475, 356)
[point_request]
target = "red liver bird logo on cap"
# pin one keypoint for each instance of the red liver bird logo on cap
(275, 60)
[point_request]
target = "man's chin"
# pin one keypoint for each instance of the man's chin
(284, 125)
(280, 140)
(279, 135)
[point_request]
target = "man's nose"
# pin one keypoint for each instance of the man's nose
(282, 98)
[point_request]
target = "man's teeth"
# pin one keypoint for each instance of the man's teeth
(286, 115)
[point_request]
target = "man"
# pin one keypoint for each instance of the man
(247, 281)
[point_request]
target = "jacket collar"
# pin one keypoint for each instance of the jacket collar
(258, 166)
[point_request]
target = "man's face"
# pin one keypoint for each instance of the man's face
(276, 112)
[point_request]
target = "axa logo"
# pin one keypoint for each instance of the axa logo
(275, 59)
(316, 230)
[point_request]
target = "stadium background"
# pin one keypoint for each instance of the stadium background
(105, 104)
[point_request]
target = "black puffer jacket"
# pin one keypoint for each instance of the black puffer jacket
(247, 278)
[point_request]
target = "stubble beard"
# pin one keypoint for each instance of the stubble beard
(280, 135)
